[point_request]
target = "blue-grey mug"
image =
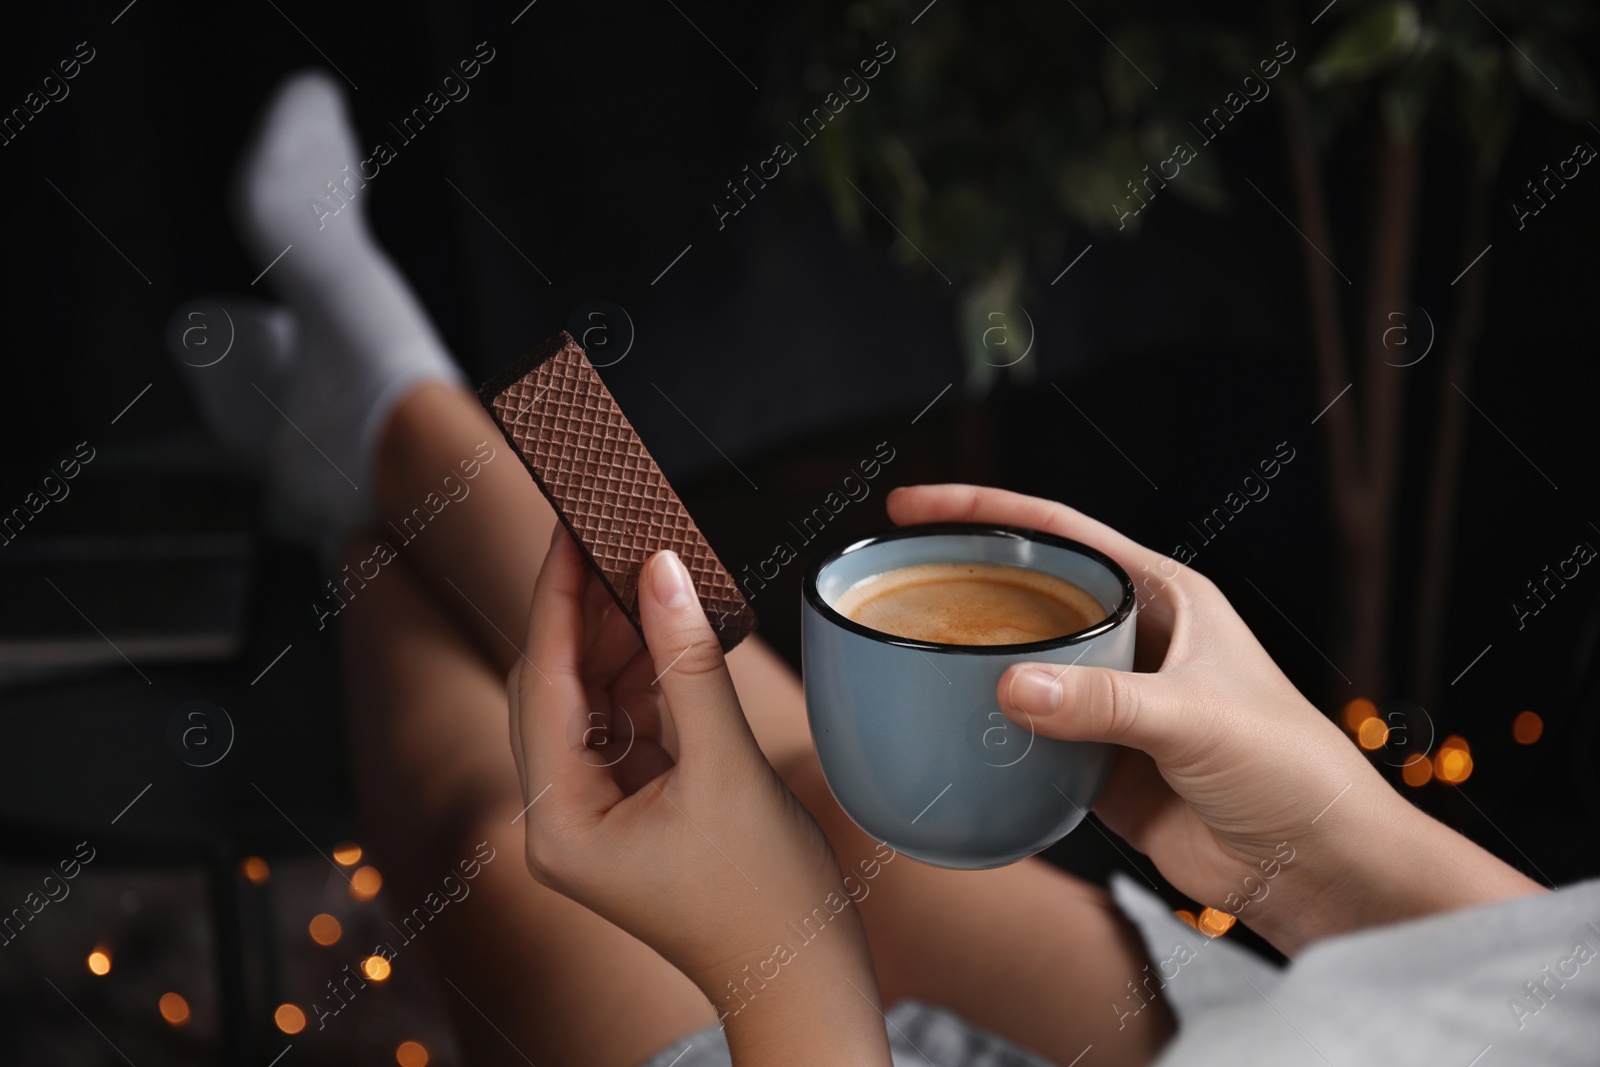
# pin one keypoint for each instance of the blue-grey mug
(910, 734)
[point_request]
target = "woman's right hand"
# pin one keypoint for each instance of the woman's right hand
(1246, 796)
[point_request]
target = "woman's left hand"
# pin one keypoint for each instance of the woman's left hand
(649, 801)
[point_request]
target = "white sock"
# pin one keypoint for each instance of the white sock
(364, 340)
(226, 349)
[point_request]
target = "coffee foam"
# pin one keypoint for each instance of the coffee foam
(970, 604)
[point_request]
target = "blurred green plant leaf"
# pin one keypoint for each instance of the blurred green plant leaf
(1487, 107)
(995, 332)
(1406, 98)
(910, 186)
(1369, 42)
(1006, 127)
(965, 228)
(834, 166)
(1092, 186)
(1125, 87)
(1479, 65)
(1198, 181)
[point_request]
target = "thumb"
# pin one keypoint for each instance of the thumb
(688, 660)
(1077, 703)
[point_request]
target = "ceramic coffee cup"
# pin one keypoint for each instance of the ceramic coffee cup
(910, 733)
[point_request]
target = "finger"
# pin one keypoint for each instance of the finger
(689, 665)
(637, 676)
(550, 690)
(513, 704)
(598, 606)
(1149, 570)
(636, 690)
(1078, 703)
(613, 648)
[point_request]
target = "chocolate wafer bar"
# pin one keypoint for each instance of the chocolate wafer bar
(583, 453)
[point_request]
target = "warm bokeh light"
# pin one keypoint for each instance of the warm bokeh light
(365, 883)
(255, 869)
(100, 960)
(375, 968)
(1357, 712)
(411, 1054)
(1453, 764)
(1454, 741)
(290, 1019)
(1527, 727)
(1214, 923)
(1372, 733)
(1418, 771)
(325, 929)
(174, 1009)
(1187, 916)
(347, 854)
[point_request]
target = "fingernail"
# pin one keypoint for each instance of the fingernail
(555, 535)
(669, 580)
(1035, 692)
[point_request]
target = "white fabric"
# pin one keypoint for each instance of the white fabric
(364, 340)
(1505, 984)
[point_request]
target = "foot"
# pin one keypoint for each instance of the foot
(364, 341)
(298, 181)
(231, 352)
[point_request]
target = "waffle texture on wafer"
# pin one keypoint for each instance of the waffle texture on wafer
(583, 453)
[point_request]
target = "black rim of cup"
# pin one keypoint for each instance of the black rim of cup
(1116, 618)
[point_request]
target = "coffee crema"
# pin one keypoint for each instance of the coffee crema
(970, 604)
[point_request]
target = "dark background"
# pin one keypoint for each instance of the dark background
(594, 142)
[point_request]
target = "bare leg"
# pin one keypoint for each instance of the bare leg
(479, 557)
(1026, 951)
(939, 936)
(435, 776)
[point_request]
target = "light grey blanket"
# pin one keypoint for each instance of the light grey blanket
(1506, 984)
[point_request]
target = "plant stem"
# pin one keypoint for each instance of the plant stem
(1327, 334)
(1391, 244)
(1439, 527)
(1346, 485)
